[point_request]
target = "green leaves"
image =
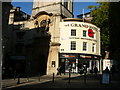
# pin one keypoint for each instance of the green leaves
(100, 16)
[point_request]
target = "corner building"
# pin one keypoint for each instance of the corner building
(80, 45)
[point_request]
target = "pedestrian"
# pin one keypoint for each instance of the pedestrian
(59, 70)
(106, 70)
(95, 70)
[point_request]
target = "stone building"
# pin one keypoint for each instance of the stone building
(6, 6)
(16, 17)
(35, 42)
(4, 12)
(51, 14)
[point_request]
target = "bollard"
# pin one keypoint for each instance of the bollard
(85, 78)
(39, 77)
(27, 76)
(69, 76)
(53, 78)
(14, 75)
(18, 79)
(85, 71)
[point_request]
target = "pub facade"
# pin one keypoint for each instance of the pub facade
(80, 45)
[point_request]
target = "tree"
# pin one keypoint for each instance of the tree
(114, 18)
(100, 16)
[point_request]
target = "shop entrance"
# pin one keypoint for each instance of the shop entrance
(68, 64)
(71, 64)
(89, 64)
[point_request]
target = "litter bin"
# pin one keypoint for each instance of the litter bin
(106, 76)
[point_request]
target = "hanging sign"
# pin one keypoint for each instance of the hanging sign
(90, 33)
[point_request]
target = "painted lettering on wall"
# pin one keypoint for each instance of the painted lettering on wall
(81, 25)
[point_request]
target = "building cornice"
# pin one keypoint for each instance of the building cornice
(42, 13)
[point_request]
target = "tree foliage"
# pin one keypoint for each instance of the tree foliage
(100, 16)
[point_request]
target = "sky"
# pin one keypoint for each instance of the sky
(77, 7)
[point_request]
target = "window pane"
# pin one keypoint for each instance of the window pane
(93, 47)
(84, 46)
(73, 32)
(73, 45)
(84, 33)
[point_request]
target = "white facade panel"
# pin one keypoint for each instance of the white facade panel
(66, 38)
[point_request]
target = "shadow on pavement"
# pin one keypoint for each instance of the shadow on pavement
(92, 81)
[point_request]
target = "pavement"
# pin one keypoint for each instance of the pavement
(63, 81)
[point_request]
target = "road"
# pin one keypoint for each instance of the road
(76, 81)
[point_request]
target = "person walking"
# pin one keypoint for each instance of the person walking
(59, 70)
(106, 70)
(95, 70)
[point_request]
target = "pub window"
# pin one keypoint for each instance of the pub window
(62, 49)
(73, 32)
(84, 33)
(53, 64)
(84, 46)
(73, 45)
(93, 47)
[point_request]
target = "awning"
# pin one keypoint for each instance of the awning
(68, 55)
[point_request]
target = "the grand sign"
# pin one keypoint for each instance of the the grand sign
(81, 25)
